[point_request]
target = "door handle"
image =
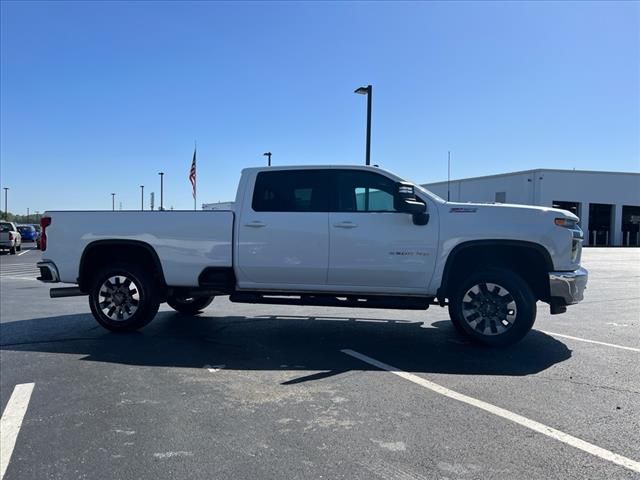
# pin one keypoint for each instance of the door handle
(345, 225)
(255, 224)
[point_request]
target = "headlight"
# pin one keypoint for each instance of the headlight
(566, 222)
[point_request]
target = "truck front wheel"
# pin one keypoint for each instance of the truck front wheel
(123, 298)
(189, 305)
(493, 307)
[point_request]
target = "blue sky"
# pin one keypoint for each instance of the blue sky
(99, 97)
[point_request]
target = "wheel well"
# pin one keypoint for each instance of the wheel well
(530, 261)
(103, 253)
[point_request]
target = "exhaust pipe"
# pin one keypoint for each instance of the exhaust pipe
(66, 292)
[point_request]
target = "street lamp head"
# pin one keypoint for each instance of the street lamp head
(267, 154)
(160, 173)
(363, 90)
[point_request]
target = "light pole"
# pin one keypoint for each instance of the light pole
(368, 91)
(268, 155)
(161, 190)
(141, 198)
(113, 202)
(27, 214)
(6, 209)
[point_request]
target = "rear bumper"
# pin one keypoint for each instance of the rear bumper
(48, 272)
(567, 288)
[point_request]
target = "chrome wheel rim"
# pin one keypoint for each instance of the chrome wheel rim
(489, 308)
(119, 298)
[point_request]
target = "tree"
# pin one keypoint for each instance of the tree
(32, 219)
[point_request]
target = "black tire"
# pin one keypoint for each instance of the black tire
(189, 305)
(493, 307)
(12, 251)
(123, 298)
(19, 248)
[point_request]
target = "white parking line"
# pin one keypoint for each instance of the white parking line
(22, 253)
(506, 414)
(590, 341)
(11, 422)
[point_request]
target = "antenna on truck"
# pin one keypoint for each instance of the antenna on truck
(448, 175)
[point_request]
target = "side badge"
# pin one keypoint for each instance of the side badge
(463, 210)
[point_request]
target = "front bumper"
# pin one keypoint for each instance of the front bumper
(568, 288)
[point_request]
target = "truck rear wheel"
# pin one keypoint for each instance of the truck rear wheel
(123, 298)
(493, 307)
(189, 305)
(12, 250)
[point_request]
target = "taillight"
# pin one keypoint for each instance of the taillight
(44, 223)
(11, 237)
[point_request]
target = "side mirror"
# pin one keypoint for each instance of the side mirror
(420, 219)
(405, 200)
(414, 207)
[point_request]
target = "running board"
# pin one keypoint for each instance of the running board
(400, 303)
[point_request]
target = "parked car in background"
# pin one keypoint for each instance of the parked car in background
(38, 229)
(10, 238)
(28, 233)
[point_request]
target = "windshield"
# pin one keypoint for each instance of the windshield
(5, 227)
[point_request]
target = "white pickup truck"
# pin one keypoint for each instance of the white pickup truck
(347, 236)
(10, 238)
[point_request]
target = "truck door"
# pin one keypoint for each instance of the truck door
(371, 244)
(283, 237)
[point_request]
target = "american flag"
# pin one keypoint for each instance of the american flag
(192, 173)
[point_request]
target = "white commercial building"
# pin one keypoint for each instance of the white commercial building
(217, 206)
(608, 203)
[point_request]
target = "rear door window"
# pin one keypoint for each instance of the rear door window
(291, 191)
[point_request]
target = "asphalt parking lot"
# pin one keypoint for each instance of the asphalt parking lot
(275, 392)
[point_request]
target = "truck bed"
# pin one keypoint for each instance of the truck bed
(186, 241)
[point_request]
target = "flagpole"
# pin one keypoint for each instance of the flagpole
(195, 183)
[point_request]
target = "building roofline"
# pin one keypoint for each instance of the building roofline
(535, 170)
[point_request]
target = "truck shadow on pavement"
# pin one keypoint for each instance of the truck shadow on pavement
(305, 343)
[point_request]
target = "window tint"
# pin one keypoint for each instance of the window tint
(360, 191)
(291, 191)
(5, 227)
